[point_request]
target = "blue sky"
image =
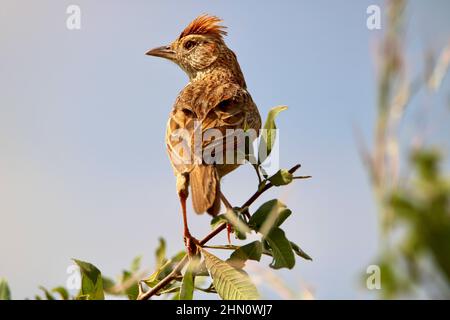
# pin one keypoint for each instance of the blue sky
(83, 166)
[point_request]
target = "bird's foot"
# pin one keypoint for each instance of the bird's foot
(191, 245)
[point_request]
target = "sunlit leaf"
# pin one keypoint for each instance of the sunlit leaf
(187, 284)
(91, 281)
(176, 295)
(271, 214)
(160, 253)
(131, 289)
(229, 283)
(108, 285)
(136, 264)
(47, 293)
(164, 270)
(218, 220)
(63, 293)
(237, 221)
(261, 185)
(281, 178)
(283, 256)
(250, 251)
(5, 293)
(300, 252)
(201, 271)
(174, 289)
(268, 134)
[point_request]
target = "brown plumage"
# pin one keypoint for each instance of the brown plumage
(216, 97)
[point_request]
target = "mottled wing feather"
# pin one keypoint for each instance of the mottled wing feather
(227, 106)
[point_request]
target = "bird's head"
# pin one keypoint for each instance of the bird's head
(199, 47)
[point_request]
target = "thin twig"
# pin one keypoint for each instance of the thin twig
(266, 187)
(164, 282)
(225, 247)
(179, 267)
(258, 174)
(302, 177)
(121, 288)
(225, 201)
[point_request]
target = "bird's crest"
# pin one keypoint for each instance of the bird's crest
(205, 24)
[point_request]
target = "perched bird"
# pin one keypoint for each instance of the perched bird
(216, 97)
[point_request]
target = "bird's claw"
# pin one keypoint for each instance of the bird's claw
(191, 245)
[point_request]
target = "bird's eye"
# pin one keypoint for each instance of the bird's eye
(189, 44)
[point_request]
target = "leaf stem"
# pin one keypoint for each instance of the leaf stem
(256, 167)
(225, 247)
(301, 177)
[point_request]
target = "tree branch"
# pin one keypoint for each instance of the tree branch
(179, 267)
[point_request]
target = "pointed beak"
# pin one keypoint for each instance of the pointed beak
(162, 52)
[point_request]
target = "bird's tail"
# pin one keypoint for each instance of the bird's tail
(205, 188)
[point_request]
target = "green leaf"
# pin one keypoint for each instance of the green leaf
(174, 289)
(176, 295)
(108, 285)
(237, 221)
(131, 290)
(268, 135)
(136, 264)
(247, 152)
(229, 283)
(209, 289)
(281, 178)
(91, 281)
(261, 185)
(187, 284)
(283, 256)
(201, 271)
(161, 253)
(250, 251)
(300, 252)
(266, 248)
(271, 214)
(218, 220)
(62, 292)
(164, 270)
(47, 294)
(5, 293)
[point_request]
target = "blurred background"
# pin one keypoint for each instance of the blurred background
(83, 166)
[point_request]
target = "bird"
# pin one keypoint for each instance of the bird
(215, 98)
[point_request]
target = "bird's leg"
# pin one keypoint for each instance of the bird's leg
(189, 241)
(182, 189)
(229, 207)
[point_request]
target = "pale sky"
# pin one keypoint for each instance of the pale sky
(83, 166)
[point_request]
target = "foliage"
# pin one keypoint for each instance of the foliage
(413, 197)
(179, 276)
(229, 282)
(5, 293)
(422, 208)
(91, 282)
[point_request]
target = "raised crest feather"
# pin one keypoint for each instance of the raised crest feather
(205, 24)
